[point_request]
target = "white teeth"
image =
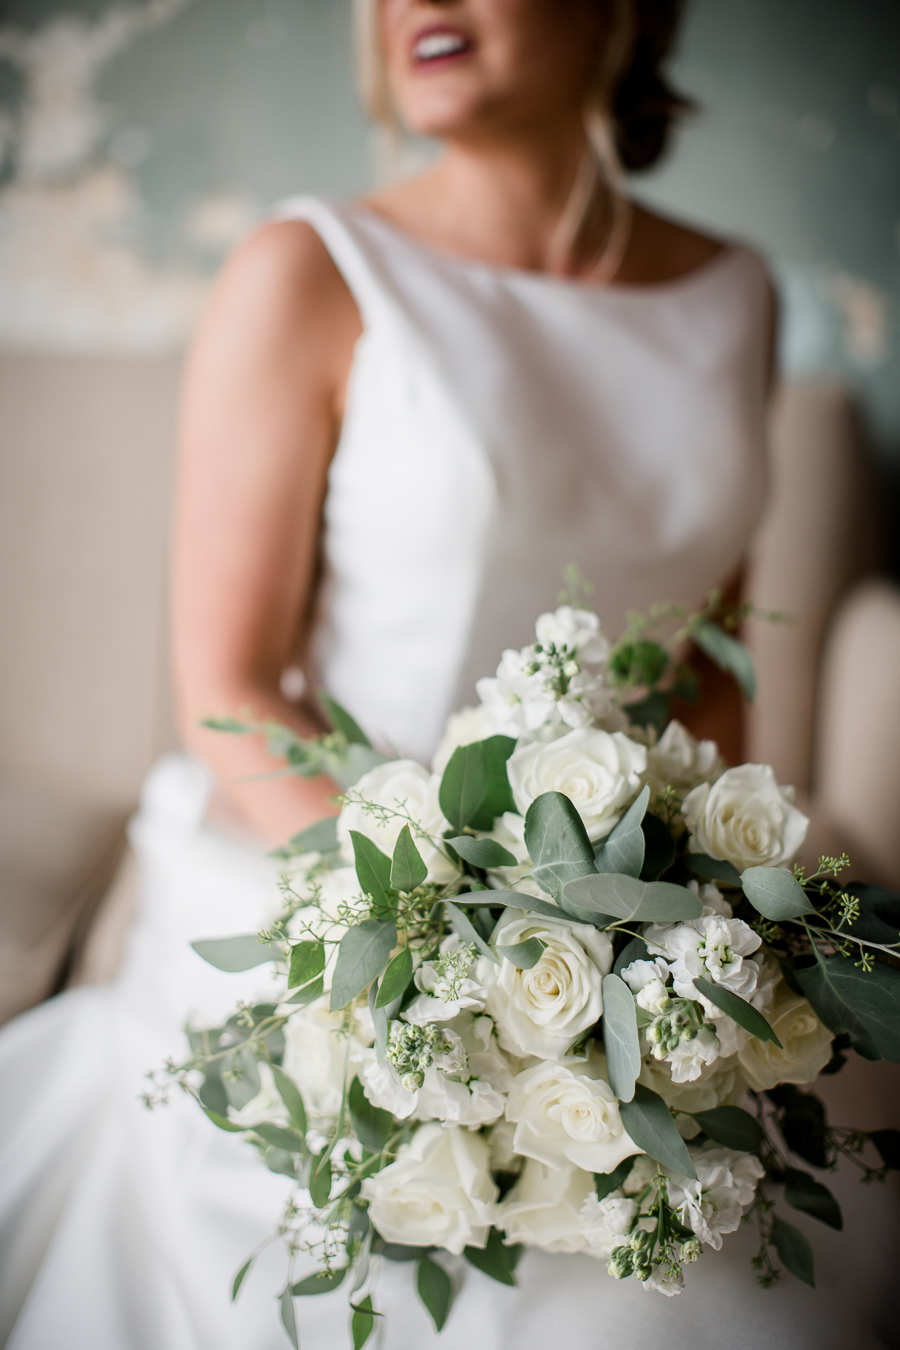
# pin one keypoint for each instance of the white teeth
(433, 45)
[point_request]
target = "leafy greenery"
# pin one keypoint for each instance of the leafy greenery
(237, 953)
(435, 1289)
(464, 784)
(495, 1258)
(649, 1123)
(557, 844)
(731, 1127)
(363, 953)
(408, 869)
(623, 849)
(620, 1037)
(738, 1009)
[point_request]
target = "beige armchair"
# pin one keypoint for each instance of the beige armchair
(85, 475)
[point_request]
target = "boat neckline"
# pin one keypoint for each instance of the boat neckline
(632, 290)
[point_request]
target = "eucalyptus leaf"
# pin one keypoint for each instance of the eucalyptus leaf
(380, 1019)
(309, 993)
(495, 1258)
(362, 1323)
(803, 1192)
(620, 1037)
(320, 1181)
(242, 1082)
(408, 870)
(464, 784)
(230, 725)
(363, 954)
(307, 961)
(341, 720)
(623, 897)
(728, 654)
(291, 1096)
(648, 1122)
(731, 1127)
(864, 1004)
(879, 914)
(372, 1125)
(348, 767)
(623, 849)
(222, 1122)
(485, 853)
(795, 1251)
(775, 893)
(464, 928)
(373, 870)
(517, 900)
(435, 1289)
(525, 954)
(395, 981)
(605, 1182)
(237, 953)
(557, 844)
(712, 869)
(279, 1137)
(659, 848)
(239, 1277)
(739, 1010)
(887, 1142)
(320, 1282)
(318, 838)
(288, 1320)
(498, 796)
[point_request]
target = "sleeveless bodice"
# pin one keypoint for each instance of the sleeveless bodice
(501, 424)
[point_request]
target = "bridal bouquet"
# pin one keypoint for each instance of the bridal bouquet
(558, 990)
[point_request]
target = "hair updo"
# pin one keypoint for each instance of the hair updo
(630, 91)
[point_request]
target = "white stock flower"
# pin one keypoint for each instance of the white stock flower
(746, 818)
(577, 629)
(718, 1084)
(463, 728)
(409, 793)
(714, 1203)
(563, 1115)
(608, 1222)
(680, 762)
(690, 1057)
(661, 1280)
(600, 773)
(543, 1011)
(806, 1042)
(438, 1193)
(543, 1209)
(647, 981)
(315, 1051)
(382, 1086)
(433, 1003)
(711, 947)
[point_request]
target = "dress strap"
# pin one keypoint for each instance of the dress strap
(365, 281)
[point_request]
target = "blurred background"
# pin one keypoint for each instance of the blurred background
(139, 142)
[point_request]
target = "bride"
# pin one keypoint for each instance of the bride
(403, 416)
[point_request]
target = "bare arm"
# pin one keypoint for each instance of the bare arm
(262, 407)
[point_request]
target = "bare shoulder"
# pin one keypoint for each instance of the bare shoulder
(280, 288)
(664, 250)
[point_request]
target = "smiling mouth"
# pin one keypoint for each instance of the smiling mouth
(441, 46)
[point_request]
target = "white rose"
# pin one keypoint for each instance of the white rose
(315, 1051)
(680, 762)
(715, 1203)
(600, 773)
(543, 1011)
(404, 787)
(806, 1041)
(438, 1193)
(745, 818)
(608, 1222)
(463, 728)
(564, 1115)
(543, 1209)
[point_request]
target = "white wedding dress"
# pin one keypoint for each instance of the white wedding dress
(499, 425)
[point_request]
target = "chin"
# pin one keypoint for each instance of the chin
(442, 113)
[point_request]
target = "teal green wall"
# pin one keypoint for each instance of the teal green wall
(229, 104)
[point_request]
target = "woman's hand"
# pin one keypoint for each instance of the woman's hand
(262, 409)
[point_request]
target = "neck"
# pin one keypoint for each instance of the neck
(502, 198)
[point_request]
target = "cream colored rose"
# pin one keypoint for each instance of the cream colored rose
(463, 728)
(680, 762)
(543, 1011)
(745, 818)
(408, 793)
(600, 772)
(806, 1041)
(563, 1116)
(543, 1209)
(438, 1193)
